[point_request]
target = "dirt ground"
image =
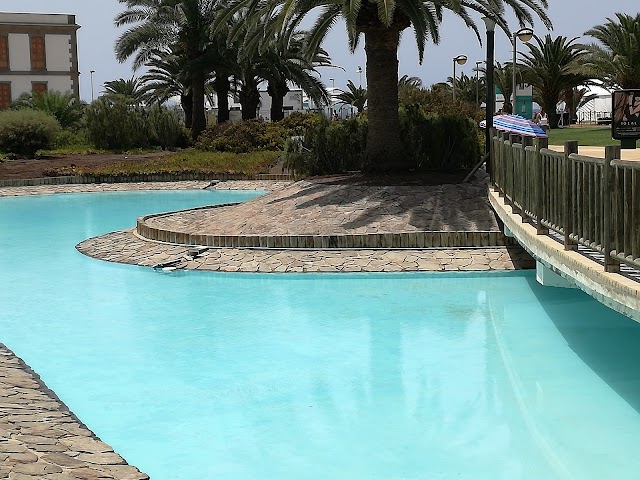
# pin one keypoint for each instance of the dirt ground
(36, 168)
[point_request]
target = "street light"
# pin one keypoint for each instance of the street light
(491, 27)
(460, 60)
(91, 72)
(524, 34)
(359, 70)
(477, 83)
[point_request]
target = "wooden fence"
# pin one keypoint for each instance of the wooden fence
(593, 202)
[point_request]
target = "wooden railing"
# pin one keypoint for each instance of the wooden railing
(589, 201)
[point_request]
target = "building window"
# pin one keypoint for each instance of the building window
(5, 95)
(38, 53)
(39, 87)
(4, 52)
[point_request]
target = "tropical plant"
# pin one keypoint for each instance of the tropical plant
(64, 107)
(467, 88)
(552, 67)
(131, 90)
(617, 61)
(381, 22)
(168, 77)
(183, 24)
(354, 96)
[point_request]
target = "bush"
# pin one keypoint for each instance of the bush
(23, 132)
(328, 147)
(244, 137)
(113, 124)
(297, 123)
(439, 142)
(166, 128)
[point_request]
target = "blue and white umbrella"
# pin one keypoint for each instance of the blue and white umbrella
(516, 124)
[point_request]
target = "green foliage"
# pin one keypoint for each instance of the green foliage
(328, 147)
(23, 132)
(64, 107)
(247, 136)
(439, 141)
(113, 124)
(297, 123)
(166, 129)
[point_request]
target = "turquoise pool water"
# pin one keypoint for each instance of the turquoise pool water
(196, 375)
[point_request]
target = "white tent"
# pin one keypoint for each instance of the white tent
(597, 110)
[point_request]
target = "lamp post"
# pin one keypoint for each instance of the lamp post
(490, 101)
(460, 60)
(359, 70)
(477, 83)
(524, 34)
(91, 72)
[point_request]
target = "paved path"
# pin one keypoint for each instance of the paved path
(598, 152)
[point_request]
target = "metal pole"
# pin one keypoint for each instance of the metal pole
(513, 68)
(490, 96)
(91, 72)
(454, 80)
(477, 83)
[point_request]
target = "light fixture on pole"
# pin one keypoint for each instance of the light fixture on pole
(460, 60)
(478, 83)
(359, 70)
(524, 34)
(491, 28)
(91, 72)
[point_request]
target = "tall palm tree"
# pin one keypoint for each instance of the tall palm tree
(184, 24)
(467, 87)
(617, 61)
(355, 96)
(552, 67)
(381, 22)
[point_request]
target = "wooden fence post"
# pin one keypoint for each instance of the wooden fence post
(609, 188)
(539, 144)
(569, 148)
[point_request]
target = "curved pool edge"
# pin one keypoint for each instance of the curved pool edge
(41, 435)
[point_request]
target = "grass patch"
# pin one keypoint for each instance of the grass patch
(186, 161)
(82, 149)
(585, 136)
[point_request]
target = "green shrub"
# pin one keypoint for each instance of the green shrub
(64, 107)
(297, 123)
(113, 124)
(244, 137)
(69, 138)
(328, 147)
(439, 142)
(166, 128)
(23, 132)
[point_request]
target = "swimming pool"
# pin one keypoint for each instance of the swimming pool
(256, 376)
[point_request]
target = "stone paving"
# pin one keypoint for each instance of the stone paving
(41, 439)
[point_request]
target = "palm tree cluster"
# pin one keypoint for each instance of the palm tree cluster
(195, 47)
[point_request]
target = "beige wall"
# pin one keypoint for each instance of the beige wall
(58, 54)
(19, 52)
(40, 18)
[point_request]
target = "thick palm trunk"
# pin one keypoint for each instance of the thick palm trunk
(222, 86)
(249, 99)
(277, 93)
(384, 150)
(198, 122)
(186, 102)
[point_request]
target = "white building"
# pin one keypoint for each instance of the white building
(38, 52)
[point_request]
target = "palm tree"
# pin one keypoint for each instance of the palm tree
(466, 88)
(184, 24)
(355, 96)
(168, 77)
(131, 90)
(552, 67)
(617, 61)
(65, 107)
(381, 22)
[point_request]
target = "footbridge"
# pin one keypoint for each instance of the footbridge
(578, 216)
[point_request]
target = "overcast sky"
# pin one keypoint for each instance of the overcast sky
(97, 36)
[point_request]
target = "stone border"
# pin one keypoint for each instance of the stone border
(156, 177)
(424, 239)
(41, 438)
